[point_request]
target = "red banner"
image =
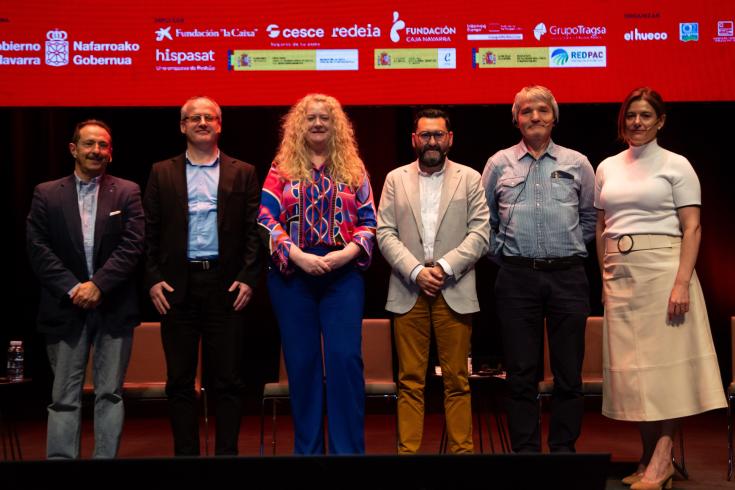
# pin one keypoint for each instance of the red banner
(155, 53)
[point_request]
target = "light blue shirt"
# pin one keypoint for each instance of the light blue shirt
(87, 193)
(202, 181)
(540, 208)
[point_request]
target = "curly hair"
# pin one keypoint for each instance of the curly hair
(344, 162)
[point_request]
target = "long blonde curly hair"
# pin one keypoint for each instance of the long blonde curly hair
(344, 162)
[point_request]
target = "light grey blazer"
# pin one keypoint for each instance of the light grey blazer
(462, 235)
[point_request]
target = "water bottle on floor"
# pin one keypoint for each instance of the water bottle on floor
(15, 361)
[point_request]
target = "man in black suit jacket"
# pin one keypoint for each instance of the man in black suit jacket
(202, 263)
(84, 238)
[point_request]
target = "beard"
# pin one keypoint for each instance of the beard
(431, 156)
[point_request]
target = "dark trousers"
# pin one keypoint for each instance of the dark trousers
(524, 298)
(205, 313)
(312, 309)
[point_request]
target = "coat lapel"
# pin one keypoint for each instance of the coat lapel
(449, 187)
(70, 207)
(411, 187)
(224, 187)
(178, 180)
(105, 201)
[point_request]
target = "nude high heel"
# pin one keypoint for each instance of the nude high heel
(632, 478)
(667, 482)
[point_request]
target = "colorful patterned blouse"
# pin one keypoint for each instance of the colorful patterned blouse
(321, 213)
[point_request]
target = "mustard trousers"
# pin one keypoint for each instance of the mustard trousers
(452, 331)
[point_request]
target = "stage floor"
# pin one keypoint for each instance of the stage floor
(148, 435)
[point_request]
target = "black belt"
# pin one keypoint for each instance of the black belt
(203, 265)
(548, 264)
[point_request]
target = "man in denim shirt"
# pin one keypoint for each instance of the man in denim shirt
(541, 216)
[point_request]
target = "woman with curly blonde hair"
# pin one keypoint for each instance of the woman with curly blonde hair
(317, 206)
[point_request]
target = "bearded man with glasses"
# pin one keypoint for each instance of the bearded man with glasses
(432, 228)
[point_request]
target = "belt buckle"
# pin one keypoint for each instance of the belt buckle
(538, 264)
(204, 265)
(625, 250)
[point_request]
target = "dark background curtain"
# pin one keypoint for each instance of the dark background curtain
(35, 143)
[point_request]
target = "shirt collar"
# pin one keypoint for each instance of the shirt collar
(92, 181)
(209, 164)
(427, 174)
(640, 151)
(522, 150)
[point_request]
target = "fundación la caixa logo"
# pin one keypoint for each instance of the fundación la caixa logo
(164, 33)
(57, 48)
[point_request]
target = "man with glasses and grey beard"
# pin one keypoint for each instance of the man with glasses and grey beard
(432, 228)
(202, 263)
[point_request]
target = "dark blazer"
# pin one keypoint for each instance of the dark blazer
(56, 252)
(167, 216)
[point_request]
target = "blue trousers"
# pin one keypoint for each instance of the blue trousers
(68, 356)
(309, 309)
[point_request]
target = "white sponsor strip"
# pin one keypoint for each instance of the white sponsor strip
(577, 56)
(337, 59)
(495, 37)
(447, 58)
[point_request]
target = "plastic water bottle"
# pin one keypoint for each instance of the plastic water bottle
(15, 361)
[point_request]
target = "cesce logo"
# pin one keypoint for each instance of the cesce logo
(274, 31)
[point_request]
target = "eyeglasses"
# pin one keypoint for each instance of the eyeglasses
(103, 145)
(425, 136)
(197, 118)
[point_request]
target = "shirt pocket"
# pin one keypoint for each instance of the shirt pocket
(563, 190)
(511, 190)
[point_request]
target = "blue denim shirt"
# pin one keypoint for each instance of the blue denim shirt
(87, 193)
(540, 208)
(202, 182)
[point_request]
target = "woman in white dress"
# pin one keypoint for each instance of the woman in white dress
(659, 361)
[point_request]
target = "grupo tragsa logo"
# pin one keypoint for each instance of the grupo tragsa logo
(539, 31)
(398, 25)
(57, 48)
(559, 57)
